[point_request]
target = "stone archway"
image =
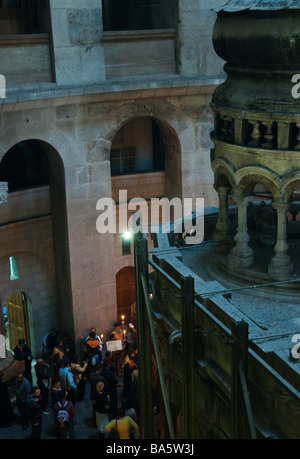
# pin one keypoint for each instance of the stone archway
(150, 146)
(34, 229)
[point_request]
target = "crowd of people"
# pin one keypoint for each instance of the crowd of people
(57, 382)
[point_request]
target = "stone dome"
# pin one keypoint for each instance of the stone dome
(260, 43)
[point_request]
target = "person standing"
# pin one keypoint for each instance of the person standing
(95, 377)
(43, 374)
(64, 414)
(129, 368)
(111, 389)
(123, 424)
(101, 404)
(118, 356)
(55, 392)
(93, 343)
(23, 394)
(6, 410)
(50, 342)
(22, 352)
(67, 381)
(35, 413)
(68, 346)
(79, 372)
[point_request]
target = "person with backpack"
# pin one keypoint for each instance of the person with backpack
(64, 414)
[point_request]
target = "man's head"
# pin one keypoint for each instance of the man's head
(20, 377)
(35, 392)
(121, 413)
(63, 394)
(21, 342)
(65, 362)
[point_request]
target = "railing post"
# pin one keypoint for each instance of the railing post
(188, 352)
(242, 419)
(144, 340)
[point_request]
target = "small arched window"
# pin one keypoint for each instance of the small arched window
(14, 268)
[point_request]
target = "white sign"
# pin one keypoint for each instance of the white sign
(115, 345)
(295, 350)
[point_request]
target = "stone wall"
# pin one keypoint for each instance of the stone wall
(77, 133)
(77, 30)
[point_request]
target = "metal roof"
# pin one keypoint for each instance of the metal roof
(263, 5)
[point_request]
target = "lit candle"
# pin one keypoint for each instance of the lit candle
(124, 333)
(123, 318)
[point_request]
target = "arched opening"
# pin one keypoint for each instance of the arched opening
(148, 150)
(25, 165)
(293, 213)
(138, 147)
(261, 221)
(125, 284)
(34, 235)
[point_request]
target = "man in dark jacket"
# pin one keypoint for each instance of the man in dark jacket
(111, 389)
(43, 374)
(23, 394)
(22, 352)
(35, 413)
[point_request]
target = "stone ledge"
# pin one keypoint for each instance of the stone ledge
(135, 35)
(20, 40)
(159, 87)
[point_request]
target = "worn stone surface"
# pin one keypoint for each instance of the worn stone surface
(85, 26)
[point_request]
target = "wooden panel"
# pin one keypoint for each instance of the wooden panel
(17, 319)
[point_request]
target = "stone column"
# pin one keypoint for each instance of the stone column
(281, 265)
(241, 256)
(77, 31)
(222, 227)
